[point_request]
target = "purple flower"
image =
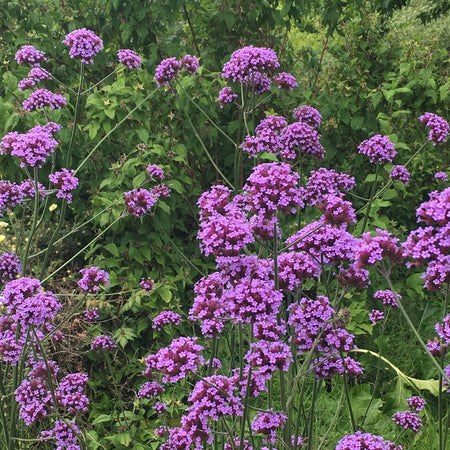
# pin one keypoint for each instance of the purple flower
(84, 45)
(181, 357)
(6, 144)
(302, 137)
(323, 182)
(214, 201)
(378, 148)
(10, 267)
(138, 201)
(129, 58)
(167, 70)
(373, 249)
(27, 187)
(308, 115)
(29, 55)
(42, 98)
(336, 210)
(226, 96)
(91, 314)
(353, 276)
(103, 342)
(286, 81)
(11, 195)
(69, 393)
(65, 434)
(160, 407)
(25, 83)
(155, 172)
(160, 191)
(388, 298)
(439, 128)
(65, 182)
(165, 318)
(248, 61)
(190, 63)
(295, 267)
(38, 74)
(273, 187)
(269, 356)
(225, 235)
(400, 173)
(442, 176)
(150, 389)
(376, 315)
(416, 403)
(435, 211)
(267, 423)
(147, 284)
(92, 279)
(408, 420)
(365, 441)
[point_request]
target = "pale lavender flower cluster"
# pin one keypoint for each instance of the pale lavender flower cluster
(83, 44)
(64, 433)
(309, 115)
(32, 147)
(65, 181)
(129, 58)
(388, 298)
(267, 423)
(400, 173)
(439, 128)
(442, 176)
(365, 441)
(103, 342)
(29, 55)
(165, 318)
(226, 96)
(429, 245)
(42, 98)
(177, 360)
(92, 278)
(169, 69)
(378, 148)
(10, 267)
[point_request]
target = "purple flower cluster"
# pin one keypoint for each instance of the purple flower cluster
(69, 393)
(376, 315)
(378, 148)
(400, 173)
(388, 298)
(429, 245)
(442, 176)
(443, 331)
(295, 267)
(155, 172)
(301, 137)
(416, 403)
(285, 81)
(29, 55)
(129, 58)
(10, 267)
(408, 420)
(147, 284)
(181, 357)
(226, 96)
(11, 195)
(169, 69)
(308, 115)
(33, 147)
(365, 441)
(139, 201)
(65, 434)
(336, 210)
(91, 314)
(103, 342)
(92, 278)
(269, 356)
(267, 423)
(439, 128)
(65, 182)
(150, 389)
(42, 98)
(83, 44)
(165, 318)
(35, 75)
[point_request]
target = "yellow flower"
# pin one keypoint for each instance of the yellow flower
(2, 237)
(52, 207)
(3, 224)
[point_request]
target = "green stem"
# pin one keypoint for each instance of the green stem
(441, 400)
(347, 396)
(311, 417)
(371, 199)
(34, 222)
(116, 70)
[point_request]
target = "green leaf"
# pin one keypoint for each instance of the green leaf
(123, 335)
(165, 293)
(112, 248)
(143, 135)
(102, 418)
(139, 179)
(357, 122)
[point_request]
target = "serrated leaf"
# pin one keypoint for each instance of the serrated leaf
(112, 248)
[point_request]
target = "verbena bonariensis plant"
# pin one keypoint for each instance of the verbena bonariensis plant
(35, 393)
(290, 251)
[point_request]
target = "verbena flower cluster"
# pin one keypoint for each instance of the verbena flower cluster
(65, 181)
(83, 45)
(169, 69)
(92, 279)
(439, 128)
(29, 55)
(129, 58)
(378, 148)
(43, 97)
